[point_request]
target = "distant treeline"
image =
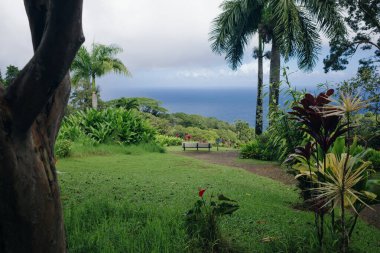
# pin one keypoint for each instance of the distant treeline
(191, 127)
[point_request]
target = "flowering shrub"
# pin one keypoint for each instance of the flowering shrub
(201, 221)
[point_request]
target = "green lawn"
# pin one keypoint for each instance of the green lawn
(135, 202)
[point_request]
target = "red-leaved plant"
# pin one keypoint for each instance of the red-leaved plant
(333, 176)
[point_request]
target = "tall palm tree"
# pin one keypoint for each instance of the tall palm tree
(87, 66)
(230, 33)
(292, 27)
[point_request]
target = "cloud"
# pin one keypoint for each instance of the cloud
(153, 33)
(15, 40)
(247, 69)
(165, 44)
(163, 33)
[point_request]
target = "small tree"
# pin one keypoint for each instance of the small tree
(10, 75)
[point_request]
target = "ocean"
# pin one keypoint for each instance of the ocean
(224, 104)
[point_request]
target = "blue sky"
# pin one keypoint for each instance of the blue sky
(165, 46)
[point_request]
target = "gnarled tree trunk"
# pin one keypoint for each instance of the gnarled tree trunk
(31, 110)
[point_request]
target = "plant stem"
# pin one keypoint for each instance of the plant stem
(343, 189)
(353, 225)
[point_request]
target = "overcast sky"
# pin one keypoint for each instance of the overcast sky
(165, 45)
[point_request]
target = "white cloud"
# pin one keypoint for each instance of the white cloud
(245, 70)
(165, 43)
(152, 33)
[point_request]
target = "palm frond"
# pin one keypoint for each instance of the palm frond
(296, 34)
(104, 60)
(81, 67)
(233, 28)
(328, 15)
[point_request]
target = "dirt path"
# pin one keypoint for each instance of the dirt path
(273, 171)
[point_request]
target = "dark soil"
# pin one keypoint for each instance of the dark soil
(270, 170)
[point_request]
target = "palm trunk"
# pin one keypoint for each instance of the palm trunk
(274, 77)
(259, 101)
(94, 95)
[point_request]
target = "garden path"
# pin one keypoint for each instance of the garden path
(270, 170)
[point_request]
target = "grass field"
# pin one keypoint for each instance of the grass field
(134, 201)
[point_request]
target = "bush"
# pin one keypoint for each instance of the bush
(251, 150)
(63, 148)
(165, 140)
(374, 157)
(370, 155)
(113, 125)
(256, 149)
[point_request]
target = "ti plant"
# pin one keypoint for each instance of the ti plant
(201, 221)
(331, 177)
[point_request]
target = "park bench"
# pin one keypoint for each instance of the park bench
(196, 145)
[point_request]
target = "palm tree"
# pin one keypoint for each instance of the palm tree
(231, 32)
(87, 66)
(291, 26)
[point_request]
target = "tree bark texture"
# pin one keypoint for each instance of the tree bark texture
(259, 100)
(94, 95)
(31, 110)
(274, 76)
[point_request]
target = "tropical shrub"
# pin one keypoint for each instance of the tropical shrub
(368, 131)
(257, 149)
(374, 157)
(202, 221)
(113, 125)
(165, 140)
(62, 148)
(333, 176)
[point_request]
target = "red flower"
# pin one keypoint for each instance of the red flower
(201, 192)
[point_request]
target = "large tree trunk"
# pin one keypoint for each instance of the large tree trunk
(274, 77)
(31, 110)
(259, 100)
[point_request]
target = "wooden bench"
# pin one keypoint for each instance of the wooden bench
(196, 145)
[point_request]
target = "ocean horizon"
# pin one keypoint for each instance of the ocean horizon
(225, 104)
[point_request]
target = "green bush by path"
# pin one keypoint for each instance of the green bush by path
(136, 203)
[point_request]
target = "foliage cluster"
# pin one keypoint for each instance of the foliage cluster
(166, 141)
(331, 175)
(146, 105)
(63, 148)
(362, 20)
(10, 75)
(257, 149)
(107, 126)
(179, 124)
